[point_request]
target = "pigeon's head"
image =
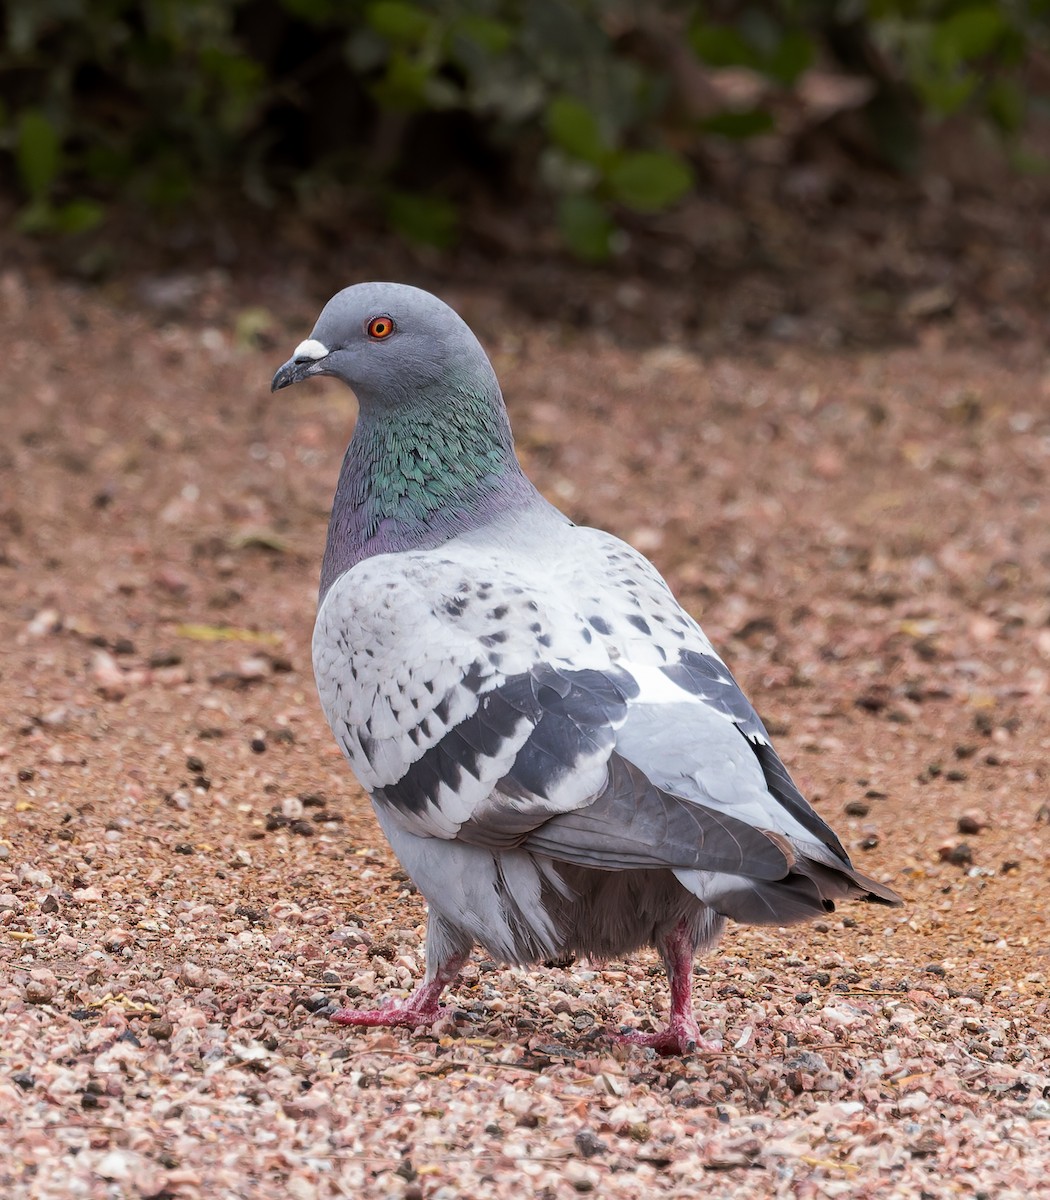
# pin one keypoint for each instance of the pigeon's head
(389, 342)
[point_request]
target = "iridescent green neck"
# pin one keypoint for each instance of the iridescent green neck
(420, 472)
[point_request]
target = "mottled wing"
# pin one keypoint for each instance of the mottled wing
(701, 737)
(476, 704)
(694, 735)
(439, 675)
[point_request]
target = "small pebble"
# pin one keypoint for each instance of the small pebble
(583, 1178)
(959, 854)
(191, 974)
(588, 1144)
(40, 991)
(972, 821)
(808, 1061)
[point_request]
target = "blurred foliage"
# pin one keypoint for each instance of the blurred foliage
(159, 102)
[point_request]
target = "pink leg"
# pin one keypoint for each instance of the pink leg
(421, 1008)
(682, 1035)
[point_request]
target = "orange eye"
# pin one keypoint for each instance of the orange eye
(380, 327)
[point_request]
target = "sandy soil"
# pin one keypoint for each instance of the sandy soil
(188, 875)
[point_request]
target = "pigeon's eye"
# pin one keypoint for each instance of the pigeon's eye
(380, 327)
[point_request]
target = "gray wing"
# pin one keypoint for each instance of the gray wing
(492, 706)
(708, 679)
(472, 708)
(566, 793)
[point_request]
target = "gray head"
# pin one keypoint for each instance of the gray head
(432, 453)
(389, 342)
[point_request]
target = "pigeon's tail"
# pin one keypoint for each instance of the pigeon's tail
(809, 889)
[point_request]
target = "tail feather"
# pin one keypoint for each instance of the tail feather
(809, 889)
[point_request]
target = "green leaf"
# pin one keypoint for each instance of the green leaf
(494, 37)
(404, 86)
(239, 82)
(429, 220)
(586, 226)
(572, 126)
(793, 55)
(399, 21)
(722, 46)
(75, 217)
(38, 153)
(650, 180)
(759, 43)
(78, 216)
(968, 34)
(946, 94)
(233, 71)
(1006, 105)
(739, 125)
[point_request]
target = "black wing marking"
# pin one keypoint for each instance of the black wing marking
(544, 722)
(705, 676)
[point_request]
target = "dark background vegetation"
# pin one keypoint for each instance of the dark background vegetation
(722, 140)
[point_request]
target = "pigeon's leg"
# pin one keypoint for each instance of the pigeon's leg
(448, 949)
(682, 1035)
(421, 1007)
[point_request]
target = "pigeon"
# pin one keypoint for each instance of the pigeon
(558, 757)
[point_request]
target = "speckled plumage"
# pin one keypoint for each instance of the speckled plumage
(554, 750)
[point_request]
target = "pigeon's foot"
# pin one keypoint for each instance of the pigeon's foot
(410, 1014)
(421, 1008)
(682, 1036)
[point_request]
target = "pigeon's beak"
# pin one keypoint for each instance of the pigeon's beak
(306, 361)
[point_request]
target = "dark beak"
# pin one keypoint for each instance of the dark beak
(295, 370)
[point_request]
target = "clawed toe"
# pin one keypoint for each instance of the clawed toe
(420, 1008)
(677, 1039)
(409, 1016)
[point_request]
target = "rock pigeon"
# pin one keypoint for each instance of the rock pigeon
(556, 754)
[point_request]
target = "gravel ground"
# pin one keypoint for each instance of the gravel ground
(189, 879)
